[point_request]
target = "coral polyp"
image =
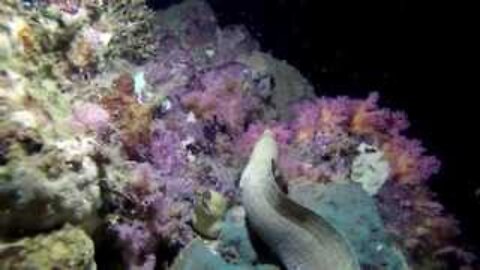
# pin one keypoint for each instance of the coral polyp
(128, 129)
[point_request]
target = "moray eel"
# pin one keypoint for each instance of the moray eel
(301, 239)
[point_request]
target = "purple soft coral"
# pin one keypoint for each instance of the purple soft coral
(170, 69)
(137, 243)
(158, 212)
(222, 93)
(166, 152)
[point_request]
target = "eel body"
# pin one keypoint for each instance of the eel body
(300, 238)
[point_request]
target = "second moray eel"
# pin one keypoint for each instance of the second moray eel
(300, 238)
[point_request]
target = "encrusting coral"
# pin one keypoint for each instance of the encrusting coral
(136, 125)
(66, 248)
(370, 169)
(51, 186)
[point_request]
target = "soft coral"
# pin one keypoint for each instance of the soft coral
(363, 118)
(407, 160)
(132, 118)
(222, 93)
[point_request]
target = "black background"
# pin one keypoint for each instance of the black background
(411, 52)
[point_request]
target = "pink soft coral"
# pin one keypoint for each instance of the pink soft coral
(90, 117)
(327, 115)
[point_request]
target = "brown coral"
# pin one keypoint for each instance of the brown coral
(81, 54)
(131, 118)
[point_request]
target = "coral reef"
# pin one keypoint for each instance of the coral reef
(67, 248)
(422, 226)
(198, 256)
(132, 25)
(332, 129)
(49, 187)
(133, 124)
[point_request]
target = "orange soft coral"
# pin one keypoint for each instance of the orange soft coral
(331, 117)
(407, 162)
